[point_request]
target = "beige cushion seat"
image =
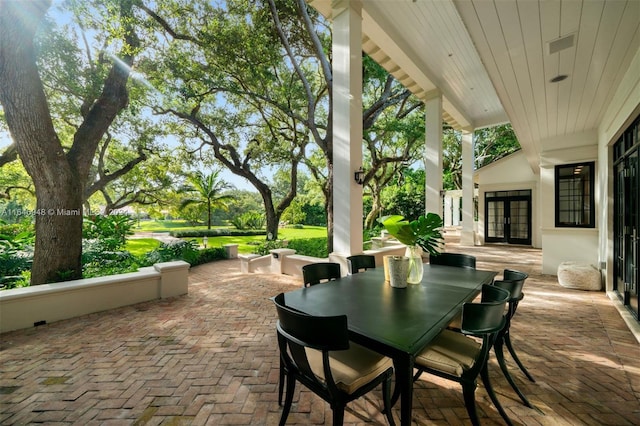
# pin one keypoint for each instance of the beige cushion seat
(450, 352)
(351, 368)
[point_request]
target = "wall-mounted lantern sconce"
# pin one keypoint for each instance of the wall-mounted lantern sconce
(359, 176)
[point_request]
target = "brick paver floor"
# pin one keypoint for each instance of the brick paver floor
(210, 358)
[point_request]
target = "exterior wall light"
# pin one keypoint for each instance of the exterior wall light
(359, 176)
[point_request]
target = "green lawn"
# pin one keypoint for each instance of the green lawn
(283, 234)
(138, 246)
(165, 226)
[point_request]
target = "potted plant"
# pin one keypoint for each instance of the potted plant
(424, 233)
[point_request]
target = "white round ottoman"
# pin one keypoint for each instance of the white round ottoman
(579, 276)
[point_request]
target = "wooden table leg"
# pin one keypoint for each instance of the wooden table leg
(404, 387)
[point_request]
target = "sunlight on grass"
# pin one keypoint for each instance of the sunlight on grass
(245, 247)
(140, 246)
(136, 246)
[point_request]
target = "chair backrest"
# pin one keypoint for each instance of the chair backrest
(359, 262)
(488, 316)
(315, 273)
(512, 274)
(299, 332)
(454, 259)
(514, 287)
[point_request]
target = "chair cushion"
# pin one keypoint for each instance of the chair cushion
(351, 369)
(456, 322)
(450, 352)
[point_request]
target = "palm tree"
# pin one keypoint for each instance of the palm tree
(207, 190)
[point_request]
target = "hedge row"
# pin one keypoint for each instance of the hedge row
(218, 232)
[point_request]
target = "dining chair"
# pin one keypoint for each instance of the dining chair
(359, 262)
(459, 260)
(458, 356)
(454, 259)
(315, 273)
(514, 287)
(513, 275)
(316, 352)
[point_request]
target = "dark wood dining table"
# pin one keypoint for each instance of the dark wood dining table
(396, 322)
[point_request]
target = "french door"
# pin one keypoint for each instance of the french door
(508, 217)
(627, 218)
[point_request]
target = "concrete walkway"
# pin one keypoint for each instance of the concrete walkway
(210, 358)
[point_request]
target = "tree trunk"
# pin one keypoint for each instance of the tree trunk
(58, 231)
(58, 214)
(59, 177)
(329, 205)
(376, 207)
(273, 220)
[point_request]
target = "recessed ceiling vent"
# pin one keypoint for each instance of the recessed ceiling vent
(555, 46)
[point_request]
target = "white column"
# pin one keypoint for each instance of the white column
(448, 208)
(433, 154)
(466, 234)
(347, 126)
(455, 203)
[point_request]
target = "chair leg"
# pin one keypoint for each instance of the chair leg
(484, 374)
(498, 349)
(386, 397)
(507, 341)
(281, 383)
(291, 385)
(338, 415)
(469, 394)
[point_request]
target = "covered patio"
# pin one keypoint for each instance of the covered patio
(211, 358)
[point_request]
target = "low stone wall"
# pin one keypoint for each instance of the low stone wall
(42, 304)
(286, 261)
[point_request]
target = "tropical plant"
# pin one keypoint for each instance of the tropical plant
(16, 255)
(207, 190)
(112, 230)
(186, 250)
(249, 220)
(424, 232)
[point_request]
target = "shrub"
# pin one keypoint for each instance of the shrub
(175, 250)
(264, 247)
(219, 232)
(111, 229)
(16, 255)
(13, 229)
(184, 250)
(249, 220)
(210, 254)
(316, 247)
(99, 260)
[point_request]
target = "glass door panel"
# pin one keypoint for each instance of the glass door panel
(495, 221)
(519, 222)
(631, 255)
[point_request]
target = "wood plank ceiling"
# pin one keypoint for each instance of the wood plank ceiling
(493, 61)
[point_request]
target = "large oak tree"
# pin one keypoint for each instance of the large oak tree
(59, 175)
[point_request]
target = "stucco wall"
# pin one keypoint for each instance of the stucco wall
(509, 174)
(43, 304)
(564, 245)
